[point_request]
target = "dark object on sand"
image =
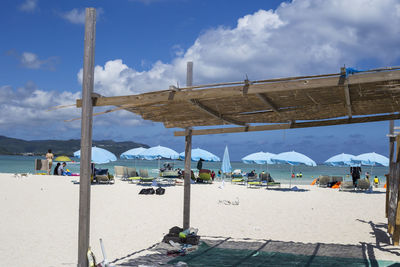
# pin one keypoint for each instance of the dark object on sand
(173, 235)
(147, 191)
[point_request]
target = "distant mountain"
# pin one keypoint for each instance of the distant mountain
(13, 146)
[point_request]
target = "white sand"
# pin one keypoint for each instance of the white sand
(39, 222)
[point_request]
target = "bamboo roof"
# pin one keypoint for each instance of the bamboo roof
(284, 102)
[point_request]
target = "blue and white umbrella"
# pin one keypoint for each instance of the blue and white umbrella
(259, 158)
(371, 159)
(340, 160)
(226, 163)
(293, 158)
(159, 152)
(99, 155)
(132, 153)
(199, 153)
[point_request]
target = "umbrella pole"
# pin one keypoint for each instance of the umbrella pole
(290, 176)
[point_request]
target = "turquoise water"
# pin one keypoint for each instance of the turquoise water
(22, 164)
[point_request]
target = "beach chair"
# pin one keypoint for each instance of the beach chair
(237, 178)
(268, 180)
(131, 175)
(363, 184)
(119, 172)
(346, 186)
(144, 177)
(253, 181)
(324, 180)
(102, 176)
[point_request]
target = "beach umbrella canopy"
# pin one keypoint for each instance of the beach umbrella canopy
(62, 159)
(99, 155)
(340, 160)
(371, 159)
(199, 153)
(158, 152)
(226, 163)
(132, 153)
(293, 158)
(259, 158)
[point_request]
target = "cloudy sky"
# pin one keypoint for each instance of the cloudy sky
(143, 45)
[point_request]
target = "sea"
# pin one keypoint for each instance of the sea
(279, 172)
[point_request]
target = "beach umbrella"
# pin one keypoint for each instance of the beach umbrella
(293, 158)
(158, 152)
(371, 159)
(226, 163)
(62, 159)
(132, 153)
(259, 158)
(99, 155)
(199, 153)
(340, 160)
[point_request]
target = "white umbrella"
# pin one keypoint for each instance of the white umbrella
(99, 155)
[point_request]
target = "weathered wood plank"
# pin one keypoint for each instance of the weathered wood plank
(86, 137)
(288, 126)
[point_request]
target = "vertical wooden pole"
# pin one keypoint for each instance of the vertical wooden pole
(86, 137)
(188, 158)
(391, 153)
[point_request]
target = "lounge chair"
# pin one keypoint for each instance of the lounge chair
(132, 175)
(102, 176)
(363, 184)
(346, 186)
(268, 180)
(145, 178)
(237, 178)
(119, 172)
(253, 181)
(324, 180)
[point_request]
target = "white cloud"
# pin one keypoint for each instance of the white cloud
(77, 15)
(32, 61)
(301, 37)
(28, 6)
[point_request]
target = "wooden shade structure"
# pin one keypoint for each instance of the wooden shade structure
(283, 103)
(294, 102)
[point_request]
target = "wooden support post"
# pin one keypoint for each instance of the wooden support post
(186, 189)
(391, 152)
(188, 158)
(86, 137)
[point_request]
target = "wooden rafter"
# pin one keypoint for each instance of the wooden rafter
(215, 113)
(291, 125)
(348, 100)
(269, 103)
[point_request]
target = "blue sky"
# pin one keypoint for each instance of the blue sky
(143, 45)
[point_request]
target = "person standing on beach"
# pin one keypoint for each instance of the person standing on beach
(49, 157)
(200, 164)
(355, 174)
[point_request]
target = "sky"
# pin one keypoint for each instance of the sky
(143, 45)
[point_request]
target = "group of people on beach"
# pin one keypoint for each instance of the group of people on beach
(59, 169)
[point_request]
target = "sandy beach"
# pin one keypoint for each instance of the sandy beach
(39, 225)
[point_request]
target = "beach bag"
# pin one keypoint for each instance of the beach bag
(147, 191)
(160, 191)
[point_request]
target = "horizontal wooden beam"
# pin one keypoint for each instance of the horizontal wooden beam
(291, 125)
(214, 113)
(254, 88)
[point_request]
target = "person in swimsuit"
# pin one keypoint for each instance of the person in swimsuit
(49, 157)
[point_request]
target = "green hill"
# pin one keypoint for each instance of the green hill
(13, 146)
